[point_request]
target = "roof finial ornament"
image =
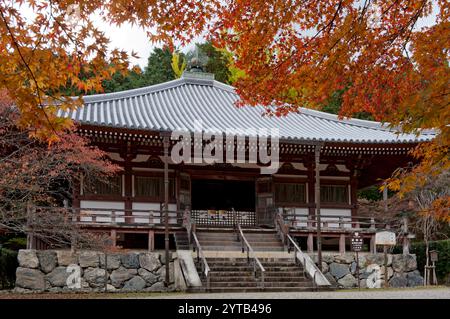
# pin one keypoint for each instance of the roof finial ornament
(197, 60)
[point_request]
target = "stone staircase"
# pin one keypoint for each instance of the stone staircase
(230, 271)
(226, 240)
(181, 240)
(236, 275)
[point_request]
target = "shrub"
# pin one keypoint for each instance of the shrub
(443, 263)
(8, 265)
(16, 243)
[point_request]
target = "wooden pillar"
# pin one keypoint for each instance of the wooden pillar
(114, 237)
(317, 199)
(342, 243)
(372, 244)
(128, 192)
(166, 143)
(310, 243)
(151, 240)
(128, 155)
(354, 199)
(311, 190)
(405, 236)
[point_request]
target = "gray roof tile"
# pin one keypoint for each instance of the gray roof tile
(177, 104)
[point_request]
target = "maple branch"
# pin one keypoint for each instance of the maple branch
(329, 26)
(41, 106)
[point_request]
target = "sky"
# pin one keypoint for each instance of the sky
(130, 38)
(133, 38)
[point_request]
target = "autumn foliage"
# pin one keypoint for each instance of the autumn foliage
(291, 53)
(34, 173)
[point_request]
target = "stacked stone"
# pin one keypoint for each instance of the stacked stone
(47, 271)
(340, 270)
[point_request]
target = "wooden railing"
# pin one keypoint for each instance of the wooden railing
(190, 226)
(282, 228)
(204, 264)
(116, 217)
(250, 255)
(223, 218)
(309, 267)
(333, 222)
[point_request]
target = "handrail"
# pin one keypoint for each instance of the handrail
(189, 224)
(115, 216)
(282, 229)
(340, 221)
(200, 254)
(308, 265)
(250, 254)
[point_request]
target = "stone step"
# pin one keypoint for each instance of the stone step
(227, 269)
(257, 283)
(232, 279)
(224, 289)
(220, 277)
(283, 274)
(285, 279)
(234, 240)
(281, 267)
(225, 266)
(181, 241)
(257, 289)
(230, 273)
(234, 234)
(231, 230)
(243, 258)
(234, 284)
(238, 248)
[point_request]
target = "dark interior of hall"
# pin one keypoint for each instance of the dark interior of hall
(219, 194)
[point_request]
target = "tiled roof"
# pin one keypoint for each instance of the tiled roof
(194, 97)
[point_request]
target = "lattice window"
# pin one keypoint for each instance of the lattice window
(112, 186)
(153, 187)
(334, 194)
(147, 186)
(290, 193)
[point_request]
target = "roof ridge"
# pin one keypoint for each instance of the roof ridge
(375, 125)
(133, 92)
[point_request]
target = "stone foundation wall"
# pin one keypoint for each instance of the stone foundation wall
(340, 270)
(85, 271)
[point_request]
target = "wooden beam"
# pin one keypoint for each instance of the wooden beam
(151, 240)
(310, 243)
(342, 243)
(114, 237)
(317, 200)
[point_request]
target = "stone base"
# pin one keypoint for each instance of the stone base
(87, 271)
(340, 269)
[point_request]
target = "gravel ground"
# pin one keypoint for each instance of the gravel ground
(416, 293)
(410, 293)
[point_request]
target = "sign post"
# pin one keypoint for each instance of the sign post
(357, 243)
(386, 239)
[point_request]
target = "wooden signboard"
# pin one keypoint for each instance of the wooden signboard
(357, 242)
(385, 238)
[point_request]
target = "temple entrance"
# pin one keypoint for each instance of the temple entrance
(213, 202)
(225, 195)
